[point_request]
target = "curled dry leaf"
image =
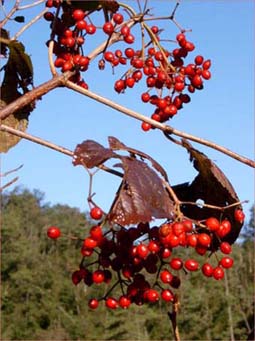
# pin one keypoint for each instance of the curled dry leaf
(212, 187)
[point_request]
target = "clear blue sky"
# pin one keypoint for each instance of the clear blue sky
(223, 112)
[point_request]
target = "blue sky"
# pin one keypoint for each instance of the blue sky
(223, 112)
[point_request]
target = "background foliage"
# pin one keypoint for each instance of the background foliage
(39, 301)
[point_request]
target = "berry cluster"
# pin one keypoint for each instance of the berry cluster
(164, 70)
(141, 260)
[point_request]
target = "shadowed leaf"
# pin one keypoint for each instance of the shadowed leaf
(212, 187)
(141, 196)
(115, 144)
(91, 154)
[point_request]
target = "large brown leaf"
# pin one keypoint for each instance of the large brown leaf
(141, 196)
(212, 187)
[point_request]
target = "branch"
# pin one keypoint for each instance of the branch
(173, 318)
(51, 145)
(34, 94)
(165, 128)
(10, 14)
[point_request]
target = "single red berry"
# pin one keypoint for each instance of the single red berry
(207, 269)
(191, 265)
(204, 240)
(96, 232)
(146, 126)
(206, 74)
(180, 37)
(189, 46)
(226, 262)
(111, 303)
(109, 56)
(48, 16)
(125, 30)
(178, 228)
(93, 303)
(90, 243)
(118, 18)
(196, 81)
(142, 250)
(96, 213)
(98, 276)
(91, 29)
(192, 240)
(225, 247)
(129, 52)
(129, 39)
(207, 64)
(176, 263)
(119, 85)
(151, 295)
(53, 232)
(130, 82)
(201, 250)
(212, 223)
(153, 246)
(218, 273)
(78, 14)
(145, 97)
(167, 295)
(108, 28)
(124, 302)
(166, 276)
(199, 60)
(239, 215)
(188, 225)
(81, 25)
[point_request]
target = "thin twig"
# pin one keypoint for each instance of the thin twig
(10, 14)
(213, 206)
(31, 5)
(11, 171)
(8, 184)
(30, 23)
(173, 317)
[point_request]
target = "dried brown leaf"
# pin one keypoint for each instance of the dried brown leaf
(213, 188)
(141, 196)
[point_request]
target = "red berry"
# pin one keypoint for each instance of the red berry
(111, 303)
(207, 64)
(204, 240)
(218, 273)
(239, 215)
(145, 97)
(119, 85)
(53, 232)
(98, 276)
(224, 229)
(146, 126)
(96, 232)
(129, 39)
(129, 52)
(191, 240)
(212, 223)
(207, 269)
(199, 60)
(166, 276)
(125, 30)
(176, 263)
(96, 213)
(90, 243)
(167, 295)
(191, 265)
(78, 14)
(91, 29)
(81, 25)
(124, 302)
(118, 18)
(226, 262)
(142, 250)
(93, 303)
(196, 81)
(151, 295)
(109, 56)
(48, 16)
(108, 28)
(178, 228)
(225, 247)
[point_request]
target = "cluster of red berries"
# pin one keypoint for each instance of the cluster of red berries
(162, 69)
(124, 256)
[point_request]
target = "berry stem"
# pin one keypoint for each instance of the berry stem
(173, 317)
